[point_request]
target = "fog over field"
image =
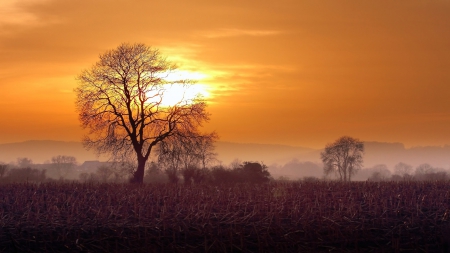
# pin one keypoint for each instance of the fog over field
(290, 161)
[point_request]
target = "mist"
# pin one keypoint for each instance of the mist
(287, 162)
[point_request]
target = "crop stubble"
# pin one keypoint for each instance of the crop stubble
(276, 217)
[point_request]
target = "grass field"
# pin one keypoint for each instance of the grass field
(276, 217)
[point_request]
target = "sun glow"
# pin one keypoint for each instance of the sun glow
(175, 93)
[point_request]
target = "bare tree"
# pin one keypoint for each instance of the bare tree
(24, 162)
(423, 169)
(426, 172)
(344, 157)
(63, 164)
(171, 157)
(404, 170)
(63, 159)
(380, 172)
(205, 149)
(186, 153)
(121, 100)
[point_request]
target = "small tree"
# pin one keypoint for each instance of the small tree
(23, 162)
(423, 169)
(171, 158)
(204, 149)
(344, 157)
(403, 170)
(380, 172)
(63, 164)
(187, 155)
(426, 172)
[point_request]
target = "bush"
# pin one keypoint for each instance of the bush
(253, 172)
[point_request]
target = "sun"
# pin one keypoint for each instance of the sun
(175, 93)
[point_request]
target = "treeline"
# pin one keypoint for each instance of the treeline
(406, 172)
(196, 171)
(24, 170)
(109, 172)
(246, 172)
(21, 175)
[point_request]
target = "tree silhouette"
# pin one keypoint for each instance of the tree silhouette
(187, 155)
(344, 157)
(253, 172)
(121, 101)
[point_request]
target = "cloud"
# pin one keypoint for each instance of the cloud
(238, 32)
(12, 13)
(16, 13)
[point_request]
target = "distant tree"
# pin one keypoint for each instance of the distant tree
(423, 169)
(63, 159)
(253, 172)
(121, 101)
(246, 172)
(187, 155)
(344, 157)
(177, 152)
(380, 172)
(427, 172)
(403, 170)
(63, 164)
(171, 158)
(24, 162)
(204, 149)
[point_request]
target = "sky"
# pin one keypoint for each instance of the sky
(293, 72)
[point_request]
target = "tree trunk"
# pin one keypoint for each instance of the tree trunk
(138, 176)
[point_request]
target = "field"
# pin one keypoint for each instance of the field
(276, 217)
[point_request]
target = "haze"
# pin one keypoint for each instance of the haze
(299, 73)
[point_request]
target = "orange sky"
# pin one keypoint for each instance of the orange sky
(289, 72)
